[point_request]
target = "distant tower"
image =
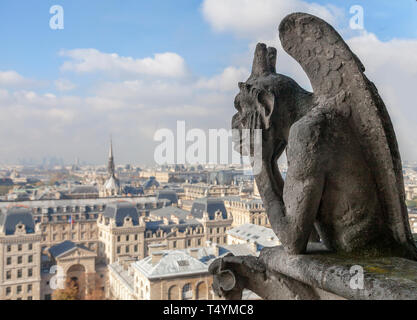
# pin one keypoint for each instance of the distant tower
(111, 186)
(110, 165)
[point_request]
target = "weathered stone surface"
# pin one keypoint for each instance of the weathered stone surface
(319, 274)
(389, 278)
(344, 169)
(344, 176)
(231, 275)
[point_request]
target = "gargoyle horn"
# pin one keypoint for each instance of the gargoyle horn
(264, 60)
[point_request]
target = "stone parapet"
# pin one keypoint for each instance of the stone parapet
(318, 274)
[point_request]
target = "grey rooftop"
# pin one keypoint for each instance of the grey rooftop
(14, 216)
(256, 234)
(120, 210)
(167, 212)
(64, 247)
(209, 205)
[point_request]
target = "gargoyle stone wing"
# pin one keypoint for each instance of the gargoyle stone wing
(338, 80)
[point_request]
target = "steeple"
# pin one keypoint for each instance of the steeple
(110, 165)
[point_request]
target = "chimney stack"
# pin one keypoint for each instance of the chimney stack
(216, 249)
(194, 253)
(156, 257)
(156, 247)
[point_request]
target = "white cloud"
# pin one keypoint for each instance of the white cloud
(64, 85)
(392, 66)
(12, 79)
(91, 60)
(260, 18)
(132, 110)
(226, 81)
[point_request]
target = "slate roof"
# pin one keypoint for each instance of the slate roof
(15, 215)
(132, 190)
(64, 247)
(168, 211)
(73, 202)
(84, 189)
(209, 205)
(120, 210)
(112, 183)
(151, 182)
(169, 195)
(156, 225)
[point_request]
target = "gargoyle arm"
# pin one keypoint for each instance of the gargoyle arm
(292, 206)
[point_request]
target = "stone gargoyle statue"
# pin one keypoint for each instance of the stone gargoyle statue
(344, 180)
(344, 175)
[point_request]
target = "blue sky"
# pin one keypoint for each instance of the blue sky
(212, 51)
(130, 28)
(140, 28)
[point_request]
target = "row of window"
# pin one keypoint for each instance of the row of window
(119, 238)
(66, 236)
(189, 243)
(19, 247)
(19, 273)
(65, 218)
(127, 249)
(218, 239)
(160, 233)
(19, 259)
(19, 290)
(217, 230)
(68, 226)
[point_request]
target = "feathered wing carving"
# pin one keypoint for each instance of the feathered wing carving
(338, 80)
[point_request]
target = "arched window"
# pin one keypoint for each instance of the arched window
(187, 293)
(173, 293)
(201, 291)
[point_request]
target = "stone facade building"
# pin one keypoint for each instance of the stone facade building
(121, 232)
(169, 274)
(244, 211)
(80, 237)
(20, 252)
(201, 190)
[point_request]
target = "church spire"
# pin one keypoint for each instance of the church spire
(110, 165)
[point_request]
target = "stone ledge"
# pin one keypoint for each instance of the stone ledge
(384, 278)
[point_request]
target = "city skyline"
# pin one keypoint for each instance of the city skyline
(134, 68)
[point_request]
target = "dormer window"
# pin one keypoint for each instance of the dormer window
(20, 228)
(128, 221)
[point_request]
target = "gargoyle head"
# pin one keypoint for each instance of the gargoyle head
(266, 101)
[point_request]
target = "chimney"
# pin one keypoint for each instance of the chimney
(156, 257)
(156, 247)
(194, 253)
(216, 249)
(125, 262)
(253, 246)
